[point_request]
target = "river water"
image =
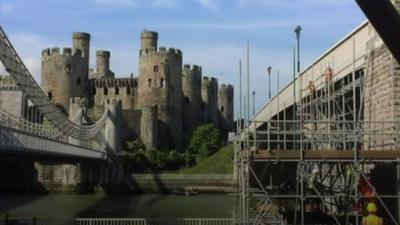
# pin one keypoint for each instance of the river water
(126, 206)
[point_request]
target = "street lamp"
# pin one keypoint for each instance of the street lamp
(254, 103)
(297, 30)
(269, 69)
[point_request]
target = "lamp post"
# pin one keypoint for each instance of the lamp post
(254, 103)
(297, 30)
(269, 69)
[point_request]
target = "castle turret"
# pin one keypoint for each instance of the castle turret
(81, 41)
(149, 40)
(160, 84)
(63, 75)
(209, 94)
(191, 85)
(103, 65)
(225, 108)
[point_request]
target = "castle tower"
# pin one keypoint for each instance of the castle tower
(225, 108)
(191, 85)
(148, 127)
(160, 84)
(149, 41)
(63, 75)
(103, 65)
(209, 95)
(81, 41)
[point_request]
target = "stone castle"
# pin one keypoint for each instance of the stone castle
(162, 106)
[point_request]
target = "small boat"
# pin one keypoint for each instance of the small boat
(185, 192)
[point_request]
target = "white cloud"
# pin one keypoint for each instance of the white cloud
(29, 47)
(6, 7)
(229, 26)
(139, 3)
(209, 4)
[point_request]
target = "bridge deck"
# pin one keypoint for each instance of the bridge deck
(325, 155)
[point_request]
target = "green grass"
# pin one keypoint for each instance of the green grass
(219, 163)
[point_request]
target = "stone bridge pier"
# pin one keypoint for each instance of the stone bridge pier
(86, 176)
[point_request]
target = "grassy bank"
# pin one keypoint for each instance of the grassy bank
(219, 163)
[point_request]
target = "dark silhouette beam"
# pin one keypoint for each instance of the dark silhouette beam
(386, 20)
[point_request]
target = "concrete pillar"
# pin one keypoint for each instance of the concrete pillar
(112, 128)
(148, 127)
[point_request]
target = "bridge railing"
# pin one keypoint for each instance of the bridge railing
(124, 221)
(12, 139)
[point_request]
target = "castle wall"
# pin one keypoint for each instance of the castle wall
(12, 99)
(120, 89)
(209, 94)
(225, 108)
(382, 94)
(160, 84)
(192, 102)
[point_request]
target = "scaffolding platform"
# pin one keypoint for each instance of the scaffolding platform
(326, 155)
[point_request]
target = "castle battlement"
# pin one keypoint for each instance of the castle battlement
(225, 90)
(162, 53)
(116, 82)
(195, 69)
(209, 82)
(55, 52)
(7, 83)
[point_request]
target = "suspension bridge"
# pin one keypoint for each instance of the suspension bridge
(55, 135)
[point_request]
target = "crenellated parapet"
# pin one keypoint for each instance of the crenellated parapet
(7, 83)
(66, 55)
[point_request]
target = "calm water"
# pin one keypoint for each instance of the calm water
(101, 206)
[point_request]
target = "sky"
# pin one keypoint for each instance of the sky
(211, 33)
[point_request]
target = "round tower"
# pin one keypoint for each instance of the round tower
(160, 84)
(62, 75)
(149, 41)
(81, 41)
(209, 94)
(148, 127)
(191, 86)
(103, 64)
(225, 107)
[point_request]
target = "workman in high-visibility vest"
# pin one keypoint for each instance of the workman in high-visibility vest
(372, 218)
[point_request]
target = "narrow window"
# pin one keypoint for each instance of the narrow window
(186, 100)
(78, 81)
(149, 82)
(105, 91)
(222, 109)
(155, 68)
(116, 90)
(108, 101)
(50, 95)
(128, 90)
(162, 82)
(94, 90)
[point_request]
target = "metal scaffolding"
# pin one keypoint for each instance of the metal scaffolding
(318, 167)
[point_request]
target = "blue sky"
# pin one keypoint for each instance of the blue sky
(211, 33)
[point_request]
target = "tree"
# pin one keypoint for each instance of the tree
(205, 141)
